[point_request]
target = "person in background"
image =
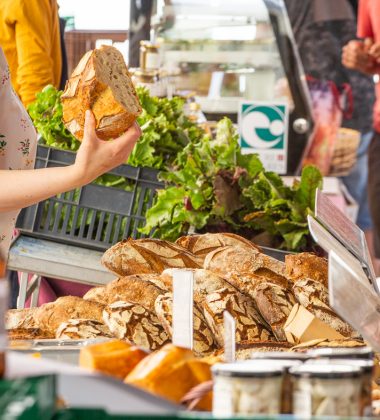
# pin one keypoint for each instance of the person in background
(364, 55)
(321, 29)
(30, 39)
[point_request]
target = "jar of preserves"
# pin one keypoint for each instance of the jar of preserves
(149, 56)
(326, 390)
(247, 389)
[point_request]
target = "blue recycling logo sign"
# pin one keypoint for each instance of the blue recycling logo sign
(263, 126)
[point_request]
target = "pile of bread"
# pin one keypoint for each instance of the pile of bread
(230, 272)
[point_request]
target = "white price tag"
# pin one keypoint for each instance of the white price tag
(183, 301)
(229, 337)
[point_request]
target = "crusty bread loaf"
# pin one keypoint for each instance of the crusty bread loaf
(234, 259)
(96, 294)
(167, 373)
(203, 339)
(20, 318)
(78, 329)
(115, 358)
(307, 265)
(135, 289)
(275, 304)
(244, 349)
(136, 324)
(249, 324)
(314, 297)
(320, 343)
(201, 245)
(150, 256)
(101, 82)
(51, 315)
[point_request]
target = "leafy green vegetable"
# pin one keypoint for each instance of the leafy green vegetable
(46, 113)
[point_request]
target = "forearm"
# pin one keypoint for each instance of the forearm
(26, 187)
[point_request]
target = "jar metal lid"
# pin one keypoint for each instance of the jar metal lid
(326, 371)
(247, 370)
(343, 352)
(282, 355)
(363, 364)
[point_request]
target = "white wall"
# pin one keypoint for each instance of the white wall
(97, 14)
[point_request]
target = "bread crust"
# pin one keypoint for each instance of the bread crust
(20, 318)
(94, 85)
(307, 265)
(82, 329)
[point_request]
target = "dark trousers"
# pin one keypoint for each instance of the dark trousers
(374, 188)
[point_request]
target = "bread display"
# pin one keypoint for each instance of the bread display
(201, 245)
(149, 256)
(80, 329)
(136, 324)
(274, 303)
(101, 82)
(115, 358)
(204, 340)
(307, 265)
(249, 324)
(51, 315)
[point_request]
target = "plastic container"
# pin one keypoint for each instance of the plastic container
(326, 390)
(94, 216)
(247, 389)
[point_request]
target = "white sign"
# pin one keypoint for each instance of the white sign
(263, 129)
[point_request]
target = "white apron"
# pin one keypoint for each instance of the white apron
(18, 142)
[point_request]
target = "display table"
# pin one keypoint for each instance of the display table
(45, 258)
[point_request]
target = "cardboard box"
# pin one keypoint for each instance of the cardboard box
(302, 326)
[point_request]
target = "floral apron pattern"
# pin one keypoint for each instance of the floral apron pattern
(18, 142)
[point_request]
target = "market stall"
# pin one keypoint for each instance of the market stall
(219, 286)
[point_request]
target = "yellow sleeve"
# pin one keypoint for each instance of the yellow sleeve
(33, 43)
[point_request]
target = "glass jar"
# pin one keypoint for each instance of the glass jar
(287, 384)
(326, 390)
(149, 56)
(367, 368)
(246, 389)
(364, 352)
(149, 79)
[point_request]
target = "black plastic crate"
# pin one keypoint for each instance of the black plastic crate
(94, 216)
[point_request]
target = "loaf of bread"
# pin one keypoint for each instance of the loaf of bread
(169, 373)
(307, 265)
(201, 245)
(242, 260)
(115, 358)
(128, 321)
(248, 322)
(274, 303)
(28, 334)
(136, 289)
(82, 329)
(101, 82)
(320, 343)
(150, 256)
(244, 349)
(203, 338)
(314, 297)
(96, 294)
(20, 318)
(51, 315)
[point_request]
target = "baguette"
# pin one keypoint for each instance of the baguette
(101, 82)
(147, 256)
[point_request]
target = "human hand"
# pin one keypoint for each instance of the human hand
(355, 55)
(96, 157)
